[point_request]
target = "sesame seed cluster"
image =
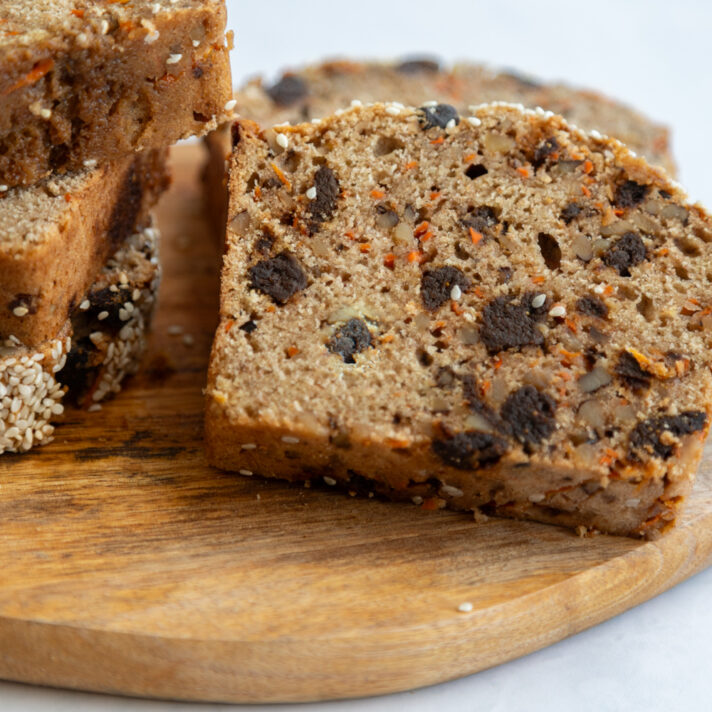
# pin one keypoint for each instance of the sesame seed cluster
(32, 381)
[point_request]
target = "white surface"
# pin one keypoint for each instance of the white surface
(655, 55)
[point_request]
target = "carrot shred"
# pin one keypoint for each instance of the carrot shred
(365, 247)
(497, 364)
(389, 260)
(229, 324)
(68, 197)
(587, 166)
(434, 195)
(415, 256)
(469, 158)
(585, 191)
(282, 178)
(387, 338)
(77, 13)
(410, 164)
(524, 172)
(455, 307)
(421, 229)
(476, 236)
(427, 236)
(377, 194)
(292, 351)
(539, 279)
(479, 292)
(41, 68)
(438, 141)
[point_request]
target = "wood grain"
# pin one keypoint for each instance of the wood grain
(128, 565)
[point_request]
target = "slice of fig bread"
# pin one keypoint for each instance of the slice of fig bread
(491, 311)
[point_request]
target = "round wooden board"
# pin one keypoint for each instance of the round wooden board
(130, 566)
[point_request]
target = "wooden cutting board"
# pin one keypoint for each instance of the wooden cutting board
(128, 565)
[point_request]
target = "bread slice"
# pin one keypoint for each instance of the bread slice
(87, 83)
(101, 343)
(55, 237)
(491, 311)
(319, 90)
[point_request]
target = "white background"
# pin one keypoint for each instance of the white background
(655, 55)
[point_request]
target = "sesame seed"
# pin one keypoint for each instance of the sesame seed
(104, 27)
(558, 310)
(538, 301)
(417, 499)
(455, 293)
(247, 473)
(599, 288)
(633, 502)
(175, 330)
(311, 193)
(282, 140)
(430, 104)
(196, 43)
(451, 124)
(356, 102)
(329, 481)
(94, 408)
(474, 121)
(230, 105)
(90, 163)
(174, 58)
(20, 311)
(451, 491)
(188, 339)
(96, 337)
(465, 607)
(151, 37)
(392, 110)
(124, 315)
(289, 439)
(46, 113)
(85, 305)
(537, 497)
(248, 446)
(102, 315)
(113, 288)
(3, 188)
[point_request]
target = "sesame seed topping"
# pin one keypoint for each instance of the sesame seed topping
(196, 43)
(451, 124)
(174, 58)
(123, 314)
(94, 408)
(248, 446)
(90, 163)
(474, 121)
(102, 315)
(246, 473)
(311, 193)
(599, 288)
(356, 102)
(21, 311)
(3, 188)
(188, 339)
(559, 310)
(290, 439)
(455, 293)
(430, 104)
(417, 499)
(329, 480)
(538, 301)
(392, 110)
(151, 37)
(538, 497)
(282, 140)
(451, 491)
(230, 105)
(465, 607)
(175, 330)
(46, 113)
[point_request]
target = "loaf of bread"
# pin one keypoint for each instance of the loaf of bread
(319, 90)
(84, 83)
(56, 235)
(490, 311)
(86, 361)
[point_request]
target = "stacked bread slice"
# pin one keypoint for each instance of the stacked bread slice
(92, 95)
